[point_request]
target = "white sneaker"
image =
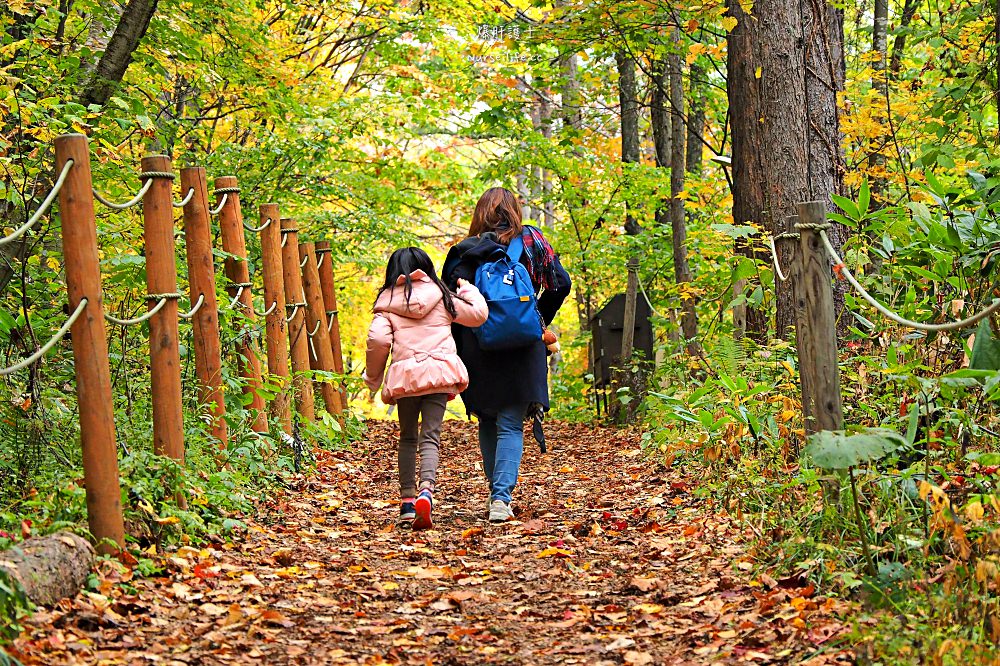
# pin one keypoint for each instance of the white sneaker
(500, 511)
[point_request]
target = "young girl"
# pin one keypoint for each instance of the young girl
(414, 312)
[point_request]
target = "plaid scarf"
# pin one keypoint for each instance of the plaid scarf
(541, 257)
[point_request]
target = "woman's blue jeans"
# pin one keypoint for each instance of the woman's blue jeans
(501, 441)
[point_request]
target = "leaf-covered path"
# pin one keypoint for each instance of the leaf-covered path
(613, 560)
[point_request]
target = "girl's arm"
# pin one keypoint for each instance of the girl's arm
(472, 311)
(379, 344)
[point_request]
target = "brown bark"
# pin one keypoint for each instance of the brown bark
(682, 269)
(629, 123)
(659, 114)
(784, 153)
(823, 27)
(696, 119)
(899, 43)
(49, 568)
(747, 152)
(118, 54)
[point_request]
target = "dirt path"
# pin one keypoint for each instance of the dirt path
(612, 560)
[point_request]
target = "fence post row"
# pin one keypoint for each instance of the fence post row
(276, 326)
(201, 278)
(161, 283)
(90, 346)
(295, 303)
(817, 334)
(321, 351)
(235, 245)
(325, 264)
(290, 294)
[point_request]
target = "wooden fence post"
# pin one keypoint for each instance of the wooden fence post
(161, 282)
(90, 346)
(321, 351)
(324, 261)
(274, 304)
(235, 244)
(201, 279)
(295, 302)
(817, 337)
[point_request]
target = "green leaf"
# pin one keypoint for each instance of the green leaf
(834, 449)
(846, 205)
(744, 269)
(864, 199)
(986, 349)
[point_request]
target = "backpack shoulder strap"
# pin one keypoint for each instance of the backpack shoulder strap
(515, 248)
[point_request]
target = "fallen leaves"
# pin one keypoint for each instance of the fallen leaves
(621, 566)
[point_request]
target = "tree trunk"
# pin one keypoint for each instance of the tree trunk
(880, 26)
(682, 270)
(659, 115)
(49, 568)
(118, 55)
(899, 43)
(823, 26)
(747, 152)
(536, 170)
(783, 142)
(696, 119)
(630, 155)
(548, 206)
(630, 124)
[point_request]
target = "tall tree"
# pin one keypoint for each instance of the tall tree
(678, 227)
(629, 102)
(695, 119)
(823, 30)
(784, 152)
(743, 90)
(118, 54)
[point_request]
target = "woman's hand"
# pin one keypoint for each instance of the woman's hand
(462, 282)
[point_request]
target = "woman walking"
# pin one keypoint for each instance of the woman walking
(414, 312)
(505, 386)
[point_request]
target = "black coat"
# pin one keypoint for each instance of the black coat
(501, 378)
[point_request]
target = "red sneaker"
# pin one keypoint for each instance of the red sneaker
(423, 506)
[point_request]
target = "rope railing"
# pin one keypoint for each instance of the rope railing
(44, 349)
(774, 252)
(239, 294)
(332, 314)
(295, 308)
(305, 260)
(844, 271)
(128, 204)
(193, 311)
(138, 320)
(320, 256)
(274, 306)
(222, 204)
(251, 228)
(315, 330)
(187, 198)
(44, 206)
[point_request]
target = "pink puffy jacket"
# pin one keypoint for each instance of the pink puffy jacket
(424, 359)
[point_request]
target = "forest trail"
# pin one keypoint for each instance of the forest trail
(612, 560)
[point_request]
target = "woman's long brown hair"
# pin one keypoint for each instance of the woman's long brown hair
(498, 211)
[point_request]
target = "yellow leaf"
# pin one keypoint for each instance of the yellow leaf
(169, 520)
(728, 23)
(757, 72)
(554, 552)
(650, 609)
(52, 263)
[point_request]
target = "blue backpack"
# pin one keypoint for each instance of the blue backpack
(514, 320)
